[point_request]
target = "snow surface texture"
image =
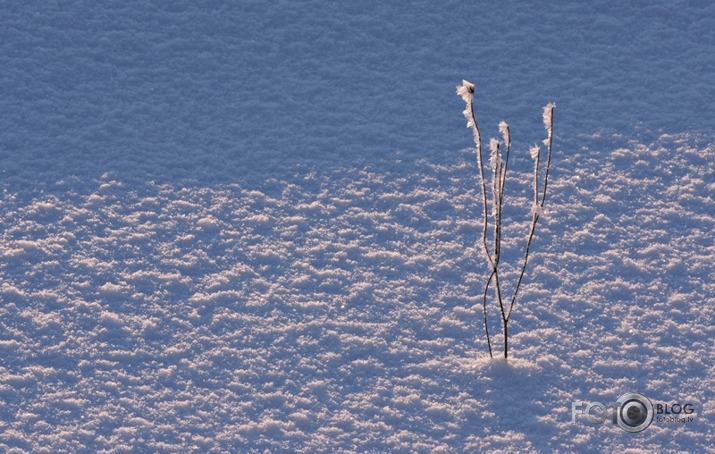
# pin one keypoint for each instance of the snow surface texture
(239, 226)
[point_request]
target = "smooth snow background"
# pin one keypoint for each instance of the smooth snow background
(236, 225)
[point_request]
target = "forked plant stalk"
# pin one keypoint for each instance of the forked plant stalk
(498, 183)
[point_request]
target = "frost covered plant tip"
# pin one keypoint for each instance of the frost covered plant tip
(492, 212)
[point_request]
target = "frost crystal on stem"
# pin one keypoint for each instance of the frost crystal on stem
(504, 130)
(466, 91)
(494, 157)
(468, 115)
(534, 151)
(537, 210)
(548, 110)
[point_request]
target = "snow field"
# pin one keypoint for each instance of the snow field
(248, 226)
(339, 308)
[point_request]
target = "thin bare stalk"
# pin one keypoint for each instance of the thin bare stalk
(482, 179)
(486, 323)
(550, 141)
(504, 318)
(523, 267)
(502, 176)
(495, 202)
(466, 91)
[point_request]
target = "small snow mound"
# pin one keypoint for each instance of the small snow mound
(45, 210)
(499, 366)
(111, 289)
(209, 224)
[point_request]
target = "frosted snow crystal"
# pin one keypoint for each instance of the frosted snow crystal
(468, 115)
(548, 112)
(494, 157)
(466, 91)
(534, 151)
(504, 130)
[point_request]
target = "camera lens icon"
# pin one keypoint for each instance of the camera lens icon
(635, 412)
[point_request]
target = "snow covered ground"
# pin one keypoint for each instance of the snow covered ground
(236, 226)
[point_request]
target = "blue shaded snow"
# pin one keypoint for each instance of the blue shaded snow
(249, 225)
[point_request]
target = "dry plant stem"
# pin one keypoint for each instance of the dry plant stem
(548, 159)
(478, 141)
(536, 215)
(485, 228)
(536, 179)
(501, 195)
(523, 268)
(499, 178)
(499, 171)
(504, 318)
(484, 304)
(499, 187)
(482, 179)
(495, 213)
